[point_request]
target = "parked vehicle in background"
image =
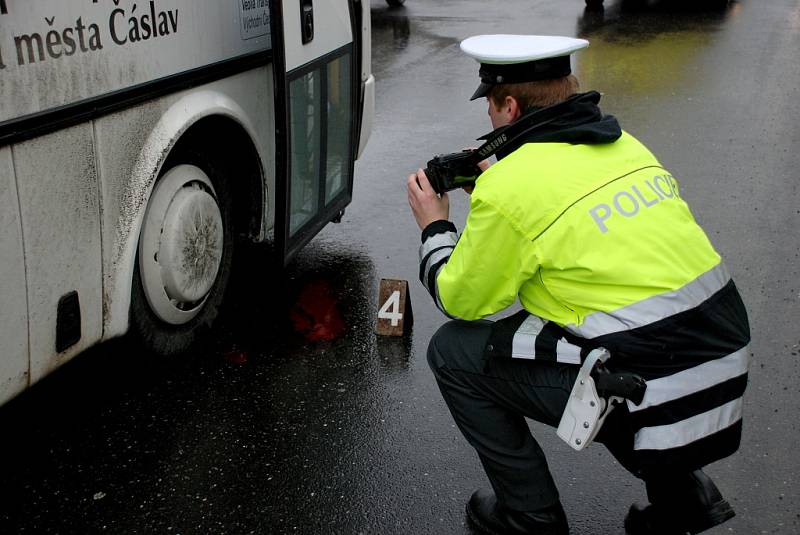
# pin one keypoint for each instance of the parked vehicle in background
(139, 139)
(690, 3)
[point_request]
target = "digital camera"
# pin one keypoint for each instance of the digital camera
(447, 172)
(459, 169)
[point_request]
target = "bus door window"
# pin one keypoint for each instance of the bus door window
(305, 97)
(339, 128)
(321, 141)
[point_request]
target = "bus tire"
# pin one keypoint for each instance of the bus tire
(184, 257)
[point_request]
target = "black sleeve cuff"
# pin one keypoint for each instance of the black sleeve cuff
(438, 227)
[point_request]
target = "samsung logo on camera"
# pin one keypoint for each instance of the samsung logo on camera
(490, 147)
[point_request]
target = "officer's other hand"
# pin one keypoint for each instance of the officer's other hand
(426, 205)
(483, 165)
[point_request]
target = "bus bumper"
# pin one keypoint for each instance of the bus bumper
(367, 114)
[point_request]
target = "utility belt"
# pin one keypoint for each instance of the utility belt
(594, 395)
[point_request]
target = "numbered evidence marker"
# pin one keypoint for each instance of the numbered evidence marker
(394, 308)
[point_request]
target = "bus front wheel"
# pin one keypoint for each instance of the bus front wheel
(184, 258)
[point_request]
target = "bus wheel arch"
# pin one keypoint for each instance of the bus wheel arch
(209, 193)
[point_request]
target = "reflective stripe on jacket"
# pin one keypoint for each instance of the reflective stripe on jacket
(597, 244)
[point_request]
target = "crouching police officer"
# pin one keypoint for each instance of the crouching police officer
(582, 224)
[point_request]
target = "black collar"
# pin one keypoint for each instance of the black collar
(578, 120)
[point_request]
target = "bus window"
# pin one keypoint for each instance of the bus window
(321, 146)
(339, 129)
(306, 146)
(137, 145)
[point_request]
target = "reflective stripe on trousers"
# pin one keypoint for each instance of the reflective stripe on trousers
(685, 383)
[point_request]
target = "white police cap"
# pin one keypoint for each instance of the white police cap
(511, 59)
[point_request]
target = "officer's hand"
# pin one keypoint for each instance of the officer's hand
(424, 202)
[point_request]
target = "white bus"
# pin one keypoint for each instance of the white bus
(140, 138)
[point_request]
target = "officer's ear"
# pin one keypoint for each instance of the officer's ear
(512, 108)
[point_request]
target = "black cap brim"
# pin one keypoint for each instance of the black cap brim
(482, 90)
(493, 74)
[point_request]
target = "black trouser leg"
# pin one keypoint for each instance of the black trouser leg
(687, 491)
(489, 400)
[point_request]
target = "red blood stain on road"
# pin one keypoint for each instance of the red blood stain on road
(235, 356)
(315, 314)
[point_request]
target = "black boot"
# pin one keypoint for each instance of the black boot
(689, 504)
(493, 519)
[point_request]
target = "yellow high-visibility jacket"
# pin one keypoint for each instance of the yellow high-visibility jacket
(601, 250)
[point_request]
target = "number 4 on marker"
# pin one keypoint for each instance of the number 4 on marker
(391, 309)
(394, 308)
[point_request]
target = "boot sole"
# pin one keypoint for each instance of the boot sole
(473, 517)
(480, 526)
(720, 512)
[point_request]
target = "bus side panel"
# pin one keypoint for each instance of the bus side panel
(254, 92)
(58, 192)
(57, 53)
(129, 157)
(333, 30)
(14, 310)
(132, 147)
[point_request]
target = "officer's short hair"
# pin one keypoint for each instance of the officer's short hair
(540, 93)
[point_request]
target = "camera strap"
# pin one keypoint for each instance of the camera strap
(511, 134)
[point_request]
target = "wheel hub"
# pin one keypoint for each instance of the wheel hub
(181, 244)
(191, 245)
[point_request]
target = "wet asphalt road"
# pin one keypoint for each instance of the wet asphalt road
(296, 418)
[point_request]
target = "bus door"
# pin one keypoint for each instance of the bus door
(317, 86)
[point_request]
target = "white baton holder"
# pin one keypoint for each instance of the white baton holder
(586, 410)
